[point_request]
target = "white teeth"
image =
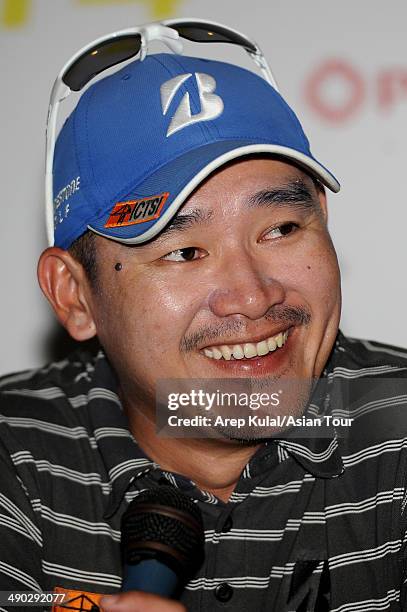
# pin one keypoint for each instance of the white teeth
(272, 344)
(216, 353)
(237, 352)
(247, 350)
(262, 348)
(226, 352)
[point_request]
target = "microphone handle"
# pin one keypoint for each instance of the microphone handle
(150, 576)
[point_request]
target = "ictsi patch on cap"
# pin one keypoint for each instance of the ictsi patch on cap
(136, 211)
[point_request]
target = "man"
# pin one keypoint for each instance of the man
(191, 238)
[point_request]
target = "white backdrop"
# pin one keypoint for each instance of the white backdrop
(341, 65)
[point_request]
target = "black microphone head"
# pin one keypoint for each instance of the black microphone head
(166, 525)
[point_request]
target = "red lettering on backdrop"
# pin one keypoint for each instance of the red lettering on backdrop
(318, 82)
(391, 85)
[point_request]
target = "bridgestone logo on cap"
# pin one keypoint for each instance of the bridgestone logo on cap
(136, 211)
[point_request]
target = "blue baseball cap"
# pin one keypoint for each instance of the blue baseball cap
(141, 140)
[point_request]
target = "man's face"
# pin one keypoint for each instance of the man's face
(247, 258)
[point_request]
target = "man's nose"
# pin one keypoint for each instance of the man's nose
(246, 287)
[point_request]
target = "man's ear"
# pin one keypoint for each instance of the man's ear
(323, 202)
(65, 285)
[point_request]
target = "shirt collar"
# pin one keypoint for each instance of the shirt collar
(122, 457)
(319, 452)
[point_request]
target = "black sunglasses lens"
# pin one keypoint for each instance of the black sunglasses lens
(105, 55)
(207, 32)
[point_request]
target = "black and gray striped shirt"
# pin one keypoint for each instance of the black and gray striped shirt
(313, 524)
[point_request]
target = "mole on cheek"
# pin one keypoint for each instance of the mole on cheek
(309, 267)
(118, 267)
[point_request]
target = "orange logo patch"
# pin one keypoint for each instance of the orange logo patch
(79, 601)
(136, 211)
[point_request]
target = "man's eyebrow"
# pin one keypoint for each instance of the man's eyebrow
(183, 222)
(295, 194)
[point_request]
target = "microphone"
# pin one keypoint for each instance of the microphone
(162, 541)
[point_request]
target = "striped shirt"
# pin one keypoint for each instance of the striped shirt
(315, 523)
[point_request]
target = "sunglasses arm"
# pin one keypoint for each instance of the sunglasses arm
(261, 62)
(60, 91)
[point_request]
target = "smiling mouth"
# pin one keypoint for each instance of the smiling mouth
(247, 350)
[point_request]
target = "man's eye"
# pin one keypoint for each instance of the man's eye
(281, 230)
(182, 255)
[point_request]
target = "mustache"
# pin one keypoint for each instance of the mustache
(292, 315)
